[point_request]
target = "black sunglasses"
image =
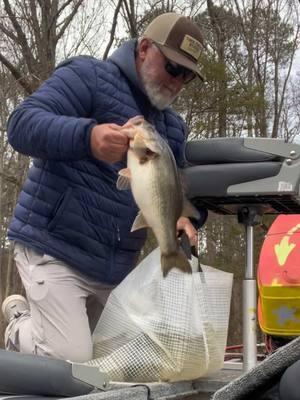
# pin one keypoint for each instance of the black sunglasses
(176, 70)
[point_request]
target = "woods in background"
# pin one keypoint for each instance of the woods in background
(252, 89)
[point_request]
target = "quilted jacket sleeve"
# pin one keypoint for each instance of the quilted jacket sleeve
(180, 159)
(54, 122)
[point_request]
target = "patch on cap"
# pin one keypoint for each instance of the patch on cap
(191, 46)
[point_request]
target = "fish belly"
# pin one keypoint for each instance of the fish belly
(159, 199)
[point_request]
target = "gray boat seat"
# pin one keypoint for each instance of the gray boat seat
(32, 375)
(224, 174)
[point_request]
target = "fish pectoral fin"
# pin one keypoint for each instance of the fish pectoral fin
(189, 210)
(139, 222)
(125, 172)
(124, 179)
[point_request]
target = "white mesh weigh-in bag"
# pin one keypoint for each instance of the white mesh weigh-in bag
(164, 329)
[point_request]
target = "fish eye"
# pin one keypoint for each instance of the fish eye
(149, 152)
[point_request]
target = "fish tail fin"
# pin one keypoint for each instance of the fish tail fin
(175, 260)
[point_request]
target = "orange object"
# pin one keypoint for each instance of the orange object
(278, 278)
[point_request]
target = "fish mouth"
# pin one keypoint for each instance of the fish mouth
(145, 154)
(143, 142)
(150, 155)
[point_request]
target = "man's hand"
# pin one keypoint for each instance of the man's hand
(184, 224)
(108, 143)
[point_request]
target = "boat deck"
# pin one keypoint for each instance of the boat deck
(200, 389)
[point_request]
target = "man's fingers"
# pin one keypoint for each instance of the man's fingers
(194, 239)
(128, 132)
(185, 224)
(117, 138)
(108, 143)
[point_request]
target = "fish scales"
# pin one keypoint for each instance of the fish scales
(153, 177)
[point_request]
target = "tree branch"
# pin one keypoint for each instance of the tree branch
(10, 178)
(67, 20)
(130, 18)
(16, 74)
(21, 36)
(60, 10)
(9, 33)
(35, 22)
(113, 29)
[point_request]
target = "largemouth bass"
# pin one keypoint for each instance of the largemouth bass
(153, 177)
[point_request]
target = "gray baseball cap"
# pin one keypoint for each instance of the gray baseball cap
(179, 39)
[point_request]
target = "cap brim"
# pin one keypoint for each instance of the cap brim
(180, 59)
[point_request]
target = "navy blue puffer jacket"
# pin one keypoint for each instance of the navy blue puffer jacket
(69, 206)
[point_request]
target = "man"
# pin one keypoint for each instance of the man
(71, 226)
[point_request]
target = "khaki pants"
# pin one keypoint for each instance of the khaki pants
(64, 308)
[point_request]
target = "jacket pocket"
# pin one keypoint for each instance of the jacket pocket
(59, 208)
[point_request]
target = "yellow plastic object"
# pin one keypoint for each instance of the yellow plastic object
(279, 310)
(279, 278)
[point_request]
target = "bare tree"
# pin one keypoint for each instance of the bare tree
(89, 31)
(30, 32)
(290, 121)
(216, 16)
(270, 33)
(286, 37)
(252, 44)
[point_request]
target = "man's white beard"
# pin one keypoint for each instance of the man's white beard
(154, 91)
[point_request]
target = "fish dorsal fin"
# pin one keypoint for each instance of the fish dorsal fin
(124, 179)
(139, 222)
(189, 210)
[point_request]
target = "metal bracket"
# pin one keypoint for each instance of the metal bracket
(273, 146)
(250, 215)
(91, 375)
